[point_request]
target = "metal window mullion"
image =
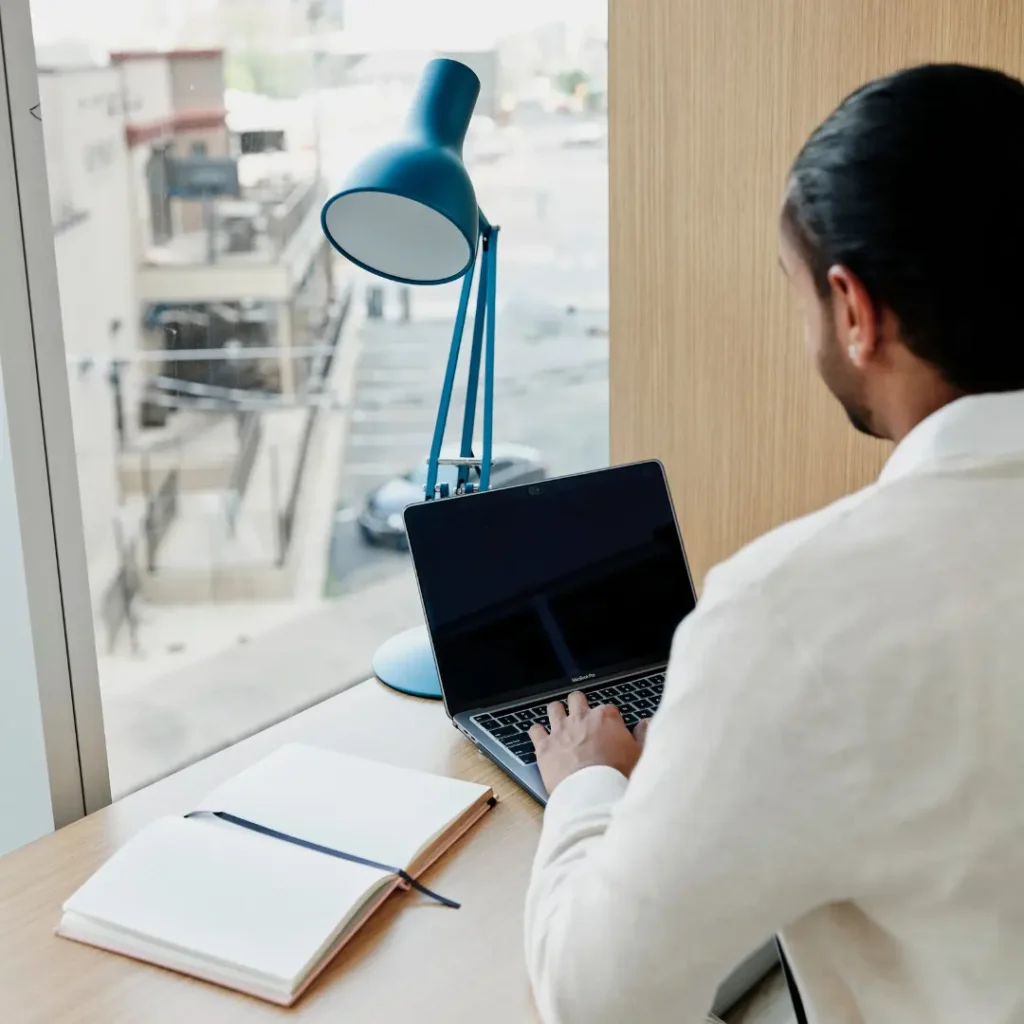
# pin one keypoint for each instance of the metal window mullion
(42, 441)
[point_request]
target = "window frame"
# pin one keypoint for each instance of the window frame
(38, 409)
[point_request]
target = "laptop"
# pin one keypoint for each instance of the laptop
(531, 592)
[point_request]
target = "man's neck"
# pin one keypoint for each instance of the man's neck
(913, 404)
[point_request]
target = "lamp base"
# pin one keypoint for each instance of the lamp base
(406, 664)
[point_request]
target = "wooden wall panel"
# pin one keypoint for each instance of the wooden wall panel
(710, 101)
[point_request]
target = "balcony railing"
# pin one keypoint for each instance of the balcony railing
(287, 217)
(254, 229)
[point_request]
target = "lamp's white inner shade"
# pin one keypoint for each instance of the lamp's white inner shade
(397, 236)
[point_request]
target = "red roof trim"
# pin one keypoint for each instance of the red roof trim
(188, 120)
(136, 134)
(191, 119)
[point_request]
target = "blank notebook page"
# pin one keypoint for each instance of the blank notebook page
(235, 897)
(373, 810)
(230, 896)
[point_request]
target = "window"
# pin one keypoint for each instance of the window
(240, 395)
(262, 142)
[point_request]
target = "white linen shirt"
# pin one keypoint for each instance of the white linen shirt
(839, 757)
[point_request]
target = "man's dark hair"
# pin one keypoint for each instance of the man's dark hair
(916, 184)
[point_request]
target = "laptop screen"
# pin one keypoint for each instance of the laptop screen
(532, 587)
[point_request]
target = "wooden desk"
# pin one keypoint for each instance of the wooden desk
(413, 962)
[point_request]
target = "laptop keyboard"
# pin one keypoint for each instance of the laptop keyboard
(635, 698)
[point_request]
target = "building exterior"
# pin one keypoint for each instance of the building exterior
(268, 238)
(130, 248)
(174, 108)
(89, 168)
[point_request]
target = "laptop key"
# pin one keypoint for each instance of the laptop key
(528, 757)
(503, 732)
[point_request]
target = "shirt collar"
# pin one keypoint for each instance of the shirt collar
(972, 429)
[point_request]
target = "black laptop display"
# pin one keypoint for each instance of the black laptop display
(551, 584)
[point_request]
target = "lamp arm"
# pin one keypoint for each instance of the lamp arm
(491, 258)
(482, 350)
(473, 379)
(429, 488)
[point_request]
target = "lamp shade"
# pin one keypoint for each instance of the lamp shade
(408, 212)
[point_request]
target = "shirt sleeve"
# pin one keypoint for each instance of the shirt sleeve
(645, 894)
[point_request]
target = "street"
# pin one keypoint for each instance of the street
(551, 364)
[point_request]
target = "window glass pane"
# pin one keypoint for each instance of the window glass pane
(251, 412)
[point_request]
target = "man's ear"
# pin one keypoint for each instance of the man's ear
(856, 321)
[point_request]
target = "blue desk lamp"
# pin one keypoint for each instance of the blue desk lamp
(409, 213)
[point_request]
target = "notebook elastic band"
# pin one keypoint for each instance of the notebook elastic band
(252, 826)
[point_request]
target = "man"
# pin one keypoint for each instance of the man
(839, 756)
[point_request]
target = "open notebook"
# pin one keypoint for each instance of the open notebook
(256, 913)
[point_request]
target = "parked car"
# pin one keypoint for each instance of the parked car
(381, 522)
